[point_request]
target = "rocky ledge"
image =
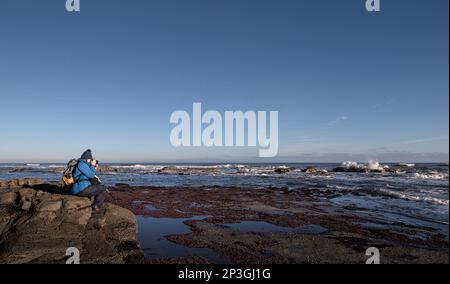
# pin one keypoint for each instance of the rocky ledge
(39, 223)
(275, 226)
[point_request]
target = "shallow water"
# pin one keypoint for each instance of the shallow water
(391, 211)
(152, 234)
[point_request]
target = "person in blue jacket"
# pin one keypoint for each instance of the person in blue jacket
(86, 181)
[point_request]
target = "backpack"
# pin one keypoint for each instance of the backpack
(68, 179)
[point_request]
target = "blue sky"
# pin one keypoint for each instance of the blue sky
(347, 83)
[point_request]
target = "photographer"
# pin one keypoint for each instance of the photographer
(87, 183)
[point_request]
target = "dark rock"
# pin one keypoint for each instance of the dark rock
(315, 171)
(58, 170)
(170, 170)
(20, 170)
(282, 170)
(106, 169)
(37, 170)
(20, 182)
(349, 170)
(38, 227)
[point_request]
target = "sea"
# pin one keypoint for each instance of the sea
(413, 194)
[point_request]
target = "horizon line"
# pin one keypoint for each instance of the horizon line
(233, 162)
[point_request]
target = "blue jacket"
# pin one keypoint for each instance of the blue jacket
(83, 172)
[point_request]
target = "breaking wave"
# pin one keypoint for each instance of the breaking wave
(412, 197)
(431, 176)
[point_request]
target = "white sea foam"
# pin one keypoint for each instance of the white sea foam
(432, 175)
(55, 166)
(227, 166)
(371, 166)
(33, 165)
(352, 165)
(408, 196)
(137, 166)
(407, 165)
(282, 167)
(376, 166)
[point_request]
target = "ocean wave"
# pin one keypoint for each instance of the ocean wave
(352, 165)
(231, 166)
(40, 166)
(137, 166)
(33, 165)
(432, 175)
(371, 166)
(376, 166)
(408, 196)
(407, 165)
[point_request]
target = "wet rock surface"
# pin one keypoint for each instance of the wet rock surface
(106, 169)
(228, 224)
(371, 167)
(282, 170)
(38, 226)
(287, 226)
(315, 171)
(4, 184)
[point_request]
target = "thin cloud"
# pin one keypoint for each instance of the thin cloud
(338, 120)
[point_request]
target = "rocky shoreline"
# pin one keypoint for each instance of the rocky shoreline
(239, 225)
(38, 225)
(304, 227)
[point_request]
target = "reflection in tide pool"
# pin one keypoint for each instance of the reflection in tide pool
(152, 237)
